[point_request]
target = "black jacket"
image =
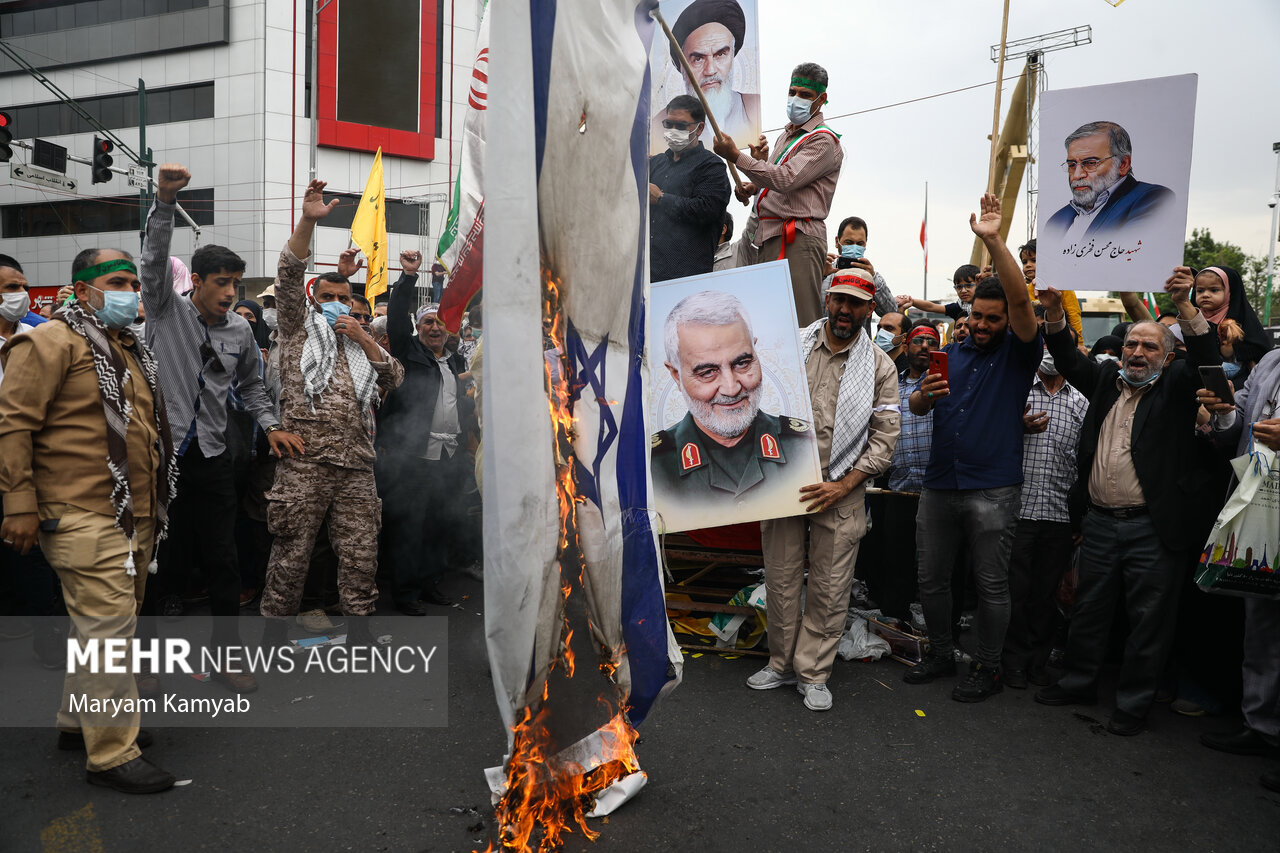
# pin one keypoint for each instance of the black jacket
(1167, 455)
(404, 421)
(685, 224)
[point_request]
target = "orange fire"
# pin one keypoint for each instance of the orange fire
(544, 790)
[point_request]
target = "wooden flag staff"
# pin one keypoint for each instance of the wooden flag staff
(688, 70)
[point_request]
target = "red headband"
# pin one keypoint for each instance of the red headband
(923, 330)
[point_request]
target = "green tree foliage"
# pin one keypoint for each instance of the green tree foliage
(1203, 251)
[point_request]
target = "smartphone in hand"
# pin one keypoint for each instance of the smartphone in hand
(938, 364)
(1215, 379)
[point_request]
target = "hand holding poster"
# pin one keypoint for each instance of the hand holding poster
(730, 418)
(720, 38)
(1115, 168)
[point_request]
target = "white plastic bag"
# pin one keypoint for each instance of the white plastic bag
(858, 643)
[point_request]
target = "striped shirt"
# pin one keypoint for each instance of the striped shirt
(799, 189)
(195, 391)
(906, 471)
(1049, 457)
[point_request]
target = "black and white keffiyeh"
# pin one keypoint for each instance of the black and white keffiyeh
(113, 375)
(853, 402)
(320, 354)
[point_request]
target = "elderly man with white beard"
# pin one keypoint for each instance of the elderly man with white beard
(1106, 198)
(710, 33)
(857, 417)
(725, 447)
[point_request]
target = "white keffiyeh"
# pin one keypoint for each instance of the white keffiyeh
(853, 402)
(320, 354)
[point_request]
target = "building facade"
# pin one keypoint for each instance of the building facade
(229, 91)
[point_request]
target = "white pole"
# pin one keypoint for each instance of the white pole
(1271, 238)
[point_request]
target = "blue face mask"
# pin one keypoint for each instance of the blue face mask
(884, 339)
(853, 250)
(1144, 383)
(119, 308)
(798, 109)
(1230, 369)
(333, 310)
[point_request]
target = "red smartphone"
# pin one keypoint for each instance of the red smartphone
(938, 364)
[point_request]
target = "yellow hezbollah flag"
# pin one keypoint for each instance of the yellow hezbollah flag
(369, 230)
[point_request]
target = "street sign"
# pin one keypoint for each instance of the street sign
(41, 178)
(137, 177)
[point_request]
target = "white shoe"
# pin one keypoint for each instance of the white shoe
(816, 696)
(767, 679)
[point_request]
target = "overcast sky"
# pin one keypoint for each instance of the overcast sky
(881, 53)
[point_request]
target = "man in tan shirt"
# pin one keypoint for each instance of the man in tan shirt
(793, 188)
(1144, 524)
(856, 417)
(87, 469)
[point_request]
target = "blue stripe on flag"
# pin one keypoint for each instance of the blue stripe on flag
(542, 14)
(644, 612)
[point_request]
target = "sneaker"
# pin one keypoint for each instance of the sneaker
(1187, 708)
(316, 621)
(767, 679)
(981, 682)
(933, 666)
(816, 696)
(1015, 678)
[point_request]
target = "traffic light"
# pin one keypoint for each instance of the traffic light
(6, 136)
(102, 149)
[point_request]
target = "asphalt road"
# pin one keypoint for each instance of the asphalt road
(891, 767)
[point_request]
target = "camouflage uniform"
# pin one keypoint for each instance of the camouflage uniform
(334, 477)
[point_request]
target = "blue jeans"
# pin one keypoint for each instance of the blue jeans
(437, 290)
(985, 519)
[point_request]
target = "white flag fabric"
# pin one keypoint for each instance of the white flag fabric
(567, 185)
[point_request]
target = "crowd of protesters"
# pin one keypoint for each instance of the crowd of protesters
(1046, 485)
(312, 452)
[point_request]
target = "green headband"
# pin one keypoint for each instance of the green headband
(90, 273)
(808, 84)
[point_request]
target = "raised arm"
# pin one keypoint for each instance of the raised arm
(156, 274)
(400, 329)
(1022, 317)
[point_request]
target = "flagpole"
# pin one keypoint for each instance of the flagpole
(688, 69)
(995, 120)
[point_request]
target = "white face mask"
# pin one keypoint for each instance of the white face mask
(679, 140)
(798, 109)
(15, 305)
(269, 317)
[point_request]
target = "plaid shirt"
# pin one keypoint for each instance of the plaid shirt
(906, 471)
(1049, 457)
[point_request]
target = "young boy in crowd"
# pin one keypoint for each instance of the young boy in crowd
(965, 280)
(1070, 304)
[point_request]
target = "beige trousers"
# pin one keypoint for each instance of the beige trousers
(88, 553)
(806, 643)
(806, 258)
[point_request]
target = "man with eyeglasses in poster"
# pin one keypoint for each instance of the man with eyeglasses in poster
(201, 345)
(1105, 195)
(688, 196)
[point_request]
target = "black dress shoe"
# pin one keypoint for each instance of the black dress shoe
(1015, 678)
(1243, 742)
(75, 740)
(411, 608)
(1055, 695)
(1125, 724)
(138, 776)
(433, 595)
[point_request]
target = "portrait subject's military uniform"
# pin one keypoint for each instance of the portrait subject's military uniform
(689, 465)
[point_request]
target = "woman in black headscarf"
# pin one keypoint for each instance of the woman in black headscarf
(261, 333)
(1219, 294)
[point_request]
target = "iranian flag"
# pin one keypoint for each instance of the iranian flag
(460, 249)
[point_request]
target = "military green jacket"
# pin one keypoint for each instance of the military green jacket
(688, 465)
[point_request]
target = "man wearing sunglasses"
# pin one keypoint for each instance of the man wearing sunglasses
(688, 196)
(1105, 195)
(202, 348)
